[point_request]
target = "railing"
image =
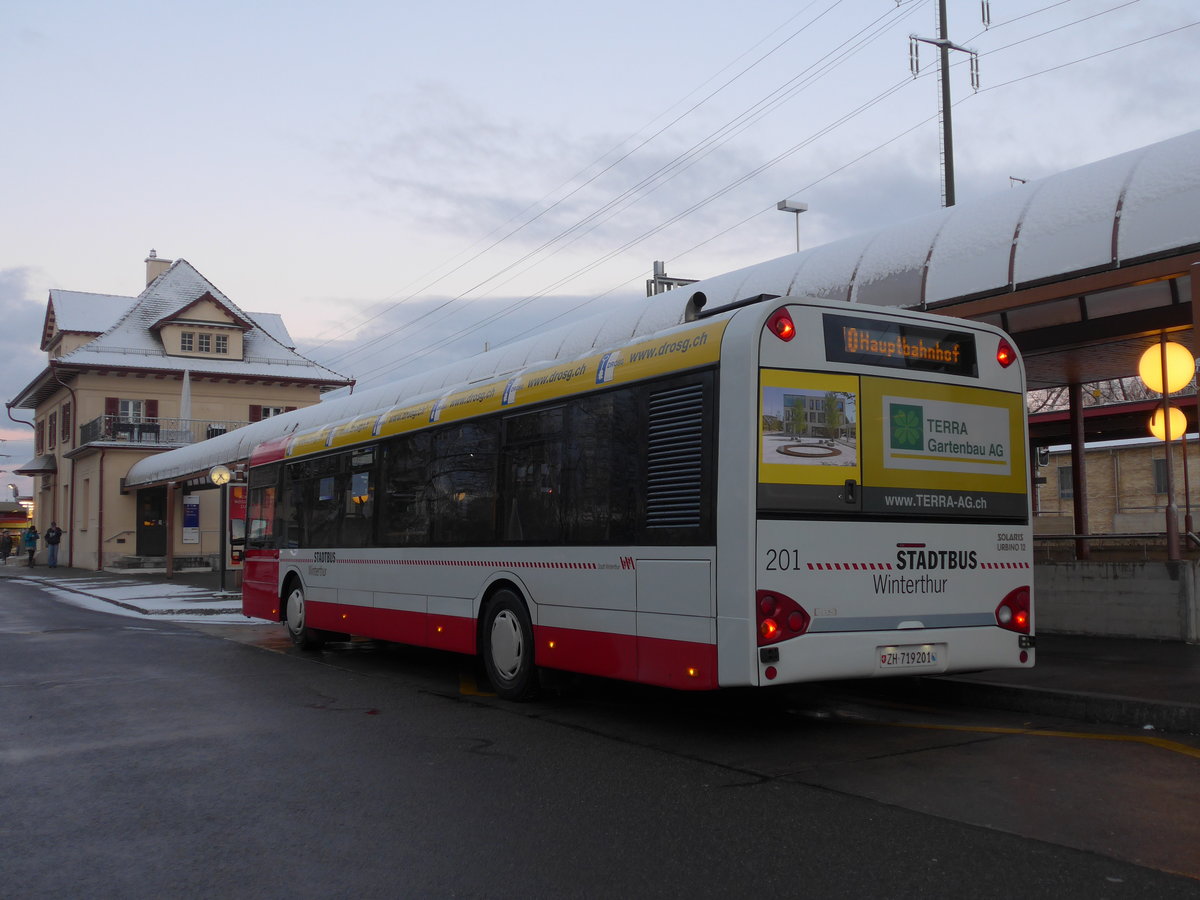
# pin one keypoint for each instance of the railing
(158, 432)
(1113, 547)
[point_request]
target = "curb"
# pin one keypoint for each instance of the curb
(1100, 709)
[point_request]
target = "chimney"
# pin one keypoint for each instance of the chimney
(156, 266)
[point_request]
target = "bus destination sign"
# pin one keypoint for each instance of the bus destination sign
(899, 345)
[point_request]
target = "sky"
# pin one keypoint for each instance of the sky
(408, 183)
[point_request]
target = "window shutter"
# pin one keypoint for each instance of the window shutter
(255, 413)
(151, 409)
(112, 406)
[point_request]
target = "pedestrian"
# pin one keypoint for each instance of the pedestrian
(6, 546)
(29, 541)
(53, 536)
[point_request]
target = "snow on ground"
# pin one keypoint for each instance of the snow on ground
(141, 600)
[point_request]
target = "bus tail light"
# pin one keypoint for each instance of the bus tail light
(781, 325)
(779, 617)
(1013, 613)
(1005, 354)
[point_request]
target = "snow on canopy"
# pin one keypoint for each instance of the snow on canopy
(1110, 213)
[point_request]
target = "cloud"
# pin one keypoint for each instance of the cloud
(423, 334)
(22, 318)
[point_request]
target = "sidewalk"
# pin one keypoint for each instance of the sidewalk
(151, 594)
(1113, 681)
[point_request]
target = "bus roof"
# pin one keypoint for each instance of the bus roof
(631, 320)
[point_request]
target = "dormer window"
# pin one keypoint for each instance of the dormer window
(205, 327)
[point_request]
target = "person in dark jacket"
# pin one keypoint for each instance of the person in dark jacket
(53, 536)
(29, 541)
(6, 546)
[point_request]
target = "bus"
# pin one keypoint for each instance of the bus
(784, 490)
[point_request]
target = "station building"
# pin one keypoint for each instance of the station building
(127, 378)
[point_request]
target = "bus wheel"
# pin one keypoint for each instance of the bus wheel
(508, 647)
(295, 616)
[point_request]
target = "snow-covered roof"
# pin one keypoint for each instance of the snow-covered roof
(81, 313)
(89, 313)
(1121, 210)
(272, 324)
(129, 342)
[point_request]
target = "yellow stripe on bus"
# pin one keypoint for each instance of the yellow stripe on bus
(676, 351)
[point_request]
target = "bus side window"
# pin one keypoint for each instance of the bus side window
(531, 503)
(464, 483)
(405, 496)
(603, 469)
(358, 509)
(290, 518)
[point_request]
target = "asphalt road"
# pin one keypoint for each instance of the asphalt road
(146, 759)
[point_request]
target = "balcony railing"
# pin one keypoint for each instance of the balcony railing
(158, 432)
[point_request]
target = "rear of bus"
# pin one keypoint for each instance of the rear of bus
(893, 531)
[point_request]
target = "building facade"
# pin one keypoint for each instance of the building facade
(1126, 487)
(128, 377)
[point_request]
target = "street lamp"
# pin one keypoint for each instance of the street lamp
(797, 207)
(16, 493)
(1165, 369)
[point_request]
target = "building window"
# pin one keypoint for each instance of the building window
(66, 423)
(1066, 488)
(187, 341)
(205, 343)
(222, 343)
(52, 430)
(131, 410)
(40, 438)
(258, 413)
(1160, 476)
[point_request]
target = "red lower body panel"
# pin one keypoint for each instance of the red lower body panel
(682, 665)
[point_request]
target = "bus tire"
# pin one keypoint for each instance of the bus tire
(507, 639)
(295, 617)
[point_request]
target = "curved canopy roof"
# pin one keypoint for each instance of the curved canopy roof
(1113, 213)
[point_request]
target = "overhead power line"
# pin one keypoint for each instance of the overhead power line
(420, 353)
(598, 162)
(823, 66)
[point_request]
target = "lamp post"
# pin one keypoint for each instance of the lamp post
(220, 476)
(1167, 368)
(793, 206)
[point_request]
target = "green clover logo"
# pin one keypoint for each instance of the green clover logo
(907, 430)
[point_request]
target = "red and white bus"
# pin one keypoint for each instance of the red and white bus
(789, 490)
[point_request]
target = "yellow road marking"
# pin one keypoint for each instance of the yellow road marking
(467, 686)
(1161, 743)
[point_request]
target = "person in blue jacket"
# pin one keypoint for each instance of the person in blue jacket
(29, 541)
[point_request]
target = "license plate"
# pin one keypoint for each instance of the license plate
(912, 656)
